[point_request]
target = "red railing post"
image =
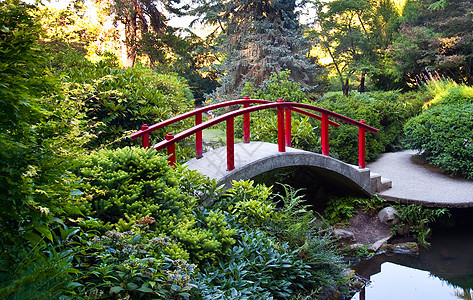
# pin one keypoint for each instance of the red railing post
(198, 137)
(246, 122)
(281, 134)
(145, 141)
(324, 134)
(171, 150)
(288, 126)
(361, 146)
(230, 145)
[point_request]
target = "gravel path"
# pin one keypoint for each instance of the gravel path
(414, 182)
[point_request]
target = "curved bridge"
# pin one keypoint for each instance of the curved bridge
(255, 158)
(244, 161)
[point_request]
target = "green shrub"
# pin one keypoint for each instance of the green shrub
(264, 124)
(446, 92)
(341, 209)
(131, 265)
(40, 128)
(122, 186)
(278, 86)
(444, 136)
(201, 187)
(118, 101)
(416, 219)
(258, 267)
(386, 111)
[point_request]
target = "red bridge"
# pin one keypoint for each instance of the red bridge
(359, 175)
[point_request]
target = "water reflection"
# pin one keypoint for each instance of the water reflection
(443, 272)
(399, 282)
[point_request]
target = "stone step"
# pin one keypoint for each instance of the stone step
(379, 184)
(385, 184)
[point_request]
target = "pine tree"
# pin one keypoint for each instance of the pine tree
(257, 38)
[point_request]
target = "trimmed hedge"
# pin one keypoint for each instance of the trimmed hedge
(444, 135)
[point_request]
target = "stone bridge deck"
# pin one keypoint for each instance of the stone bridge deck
(255, 158)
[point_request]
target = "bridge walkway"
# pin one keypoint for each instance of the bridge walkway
(255, 158)
(416, 183)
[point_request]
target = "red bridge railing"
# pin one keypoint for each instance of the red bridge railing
(284, 110)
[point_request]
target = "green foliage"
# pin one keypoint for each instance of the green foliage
(416, 219)
(294, 221)
(386, 111)
(257, 267)
(41, 268)
(131, 264)
(122, 186)
(264, 124)
(250, 205)
(444, 135)
(199, 186)
(278, 86)
(449, 93)
(341, 209)
(39, 127)
(118, 101)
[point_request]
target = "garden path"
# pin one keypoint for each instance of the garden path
(415, 182)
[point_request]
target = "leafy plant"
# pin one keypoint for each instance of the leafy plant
(132, 264)
(257, 267)
(386, 111)
(39, 129)
(341, 209)
(278, 86)
(444, 137)
(416, 219)
(125, 185)
(42, 266)
(119, 101)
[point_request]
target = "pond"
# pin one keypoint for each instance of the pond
(445, 271)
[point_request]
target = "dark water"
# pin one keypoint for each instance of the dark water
(445, 271)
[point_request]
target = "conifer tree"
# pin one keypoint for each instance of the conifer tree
(257, 38)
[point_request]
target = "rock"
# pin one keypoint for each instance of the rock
(344, 236)
(356, 246)
(410, 248)
(388, 216)
(375, 247)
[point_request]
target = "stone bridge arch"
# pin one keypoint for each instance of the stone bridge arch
(255, 158)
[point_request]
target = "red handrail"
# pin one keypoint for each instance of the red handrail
(284, 130)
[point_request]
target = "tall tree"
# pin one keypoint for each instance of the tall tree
(257, 38)
(354, 34)
(145, 27)
(436, 35)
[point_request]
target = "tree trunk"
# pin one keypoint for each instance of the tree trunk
(361, 88)
(345, 87)
(130, 39)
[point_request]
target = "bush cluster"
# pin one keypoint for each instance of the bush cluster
(125, 185)
(386, 111)
(444, 136)
(118, 101)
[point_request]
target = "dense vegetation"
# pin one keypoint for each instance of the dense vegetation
(443, 132)
(87, 214)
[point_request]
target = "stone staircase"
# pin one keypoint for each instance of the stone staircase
(379, 184)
